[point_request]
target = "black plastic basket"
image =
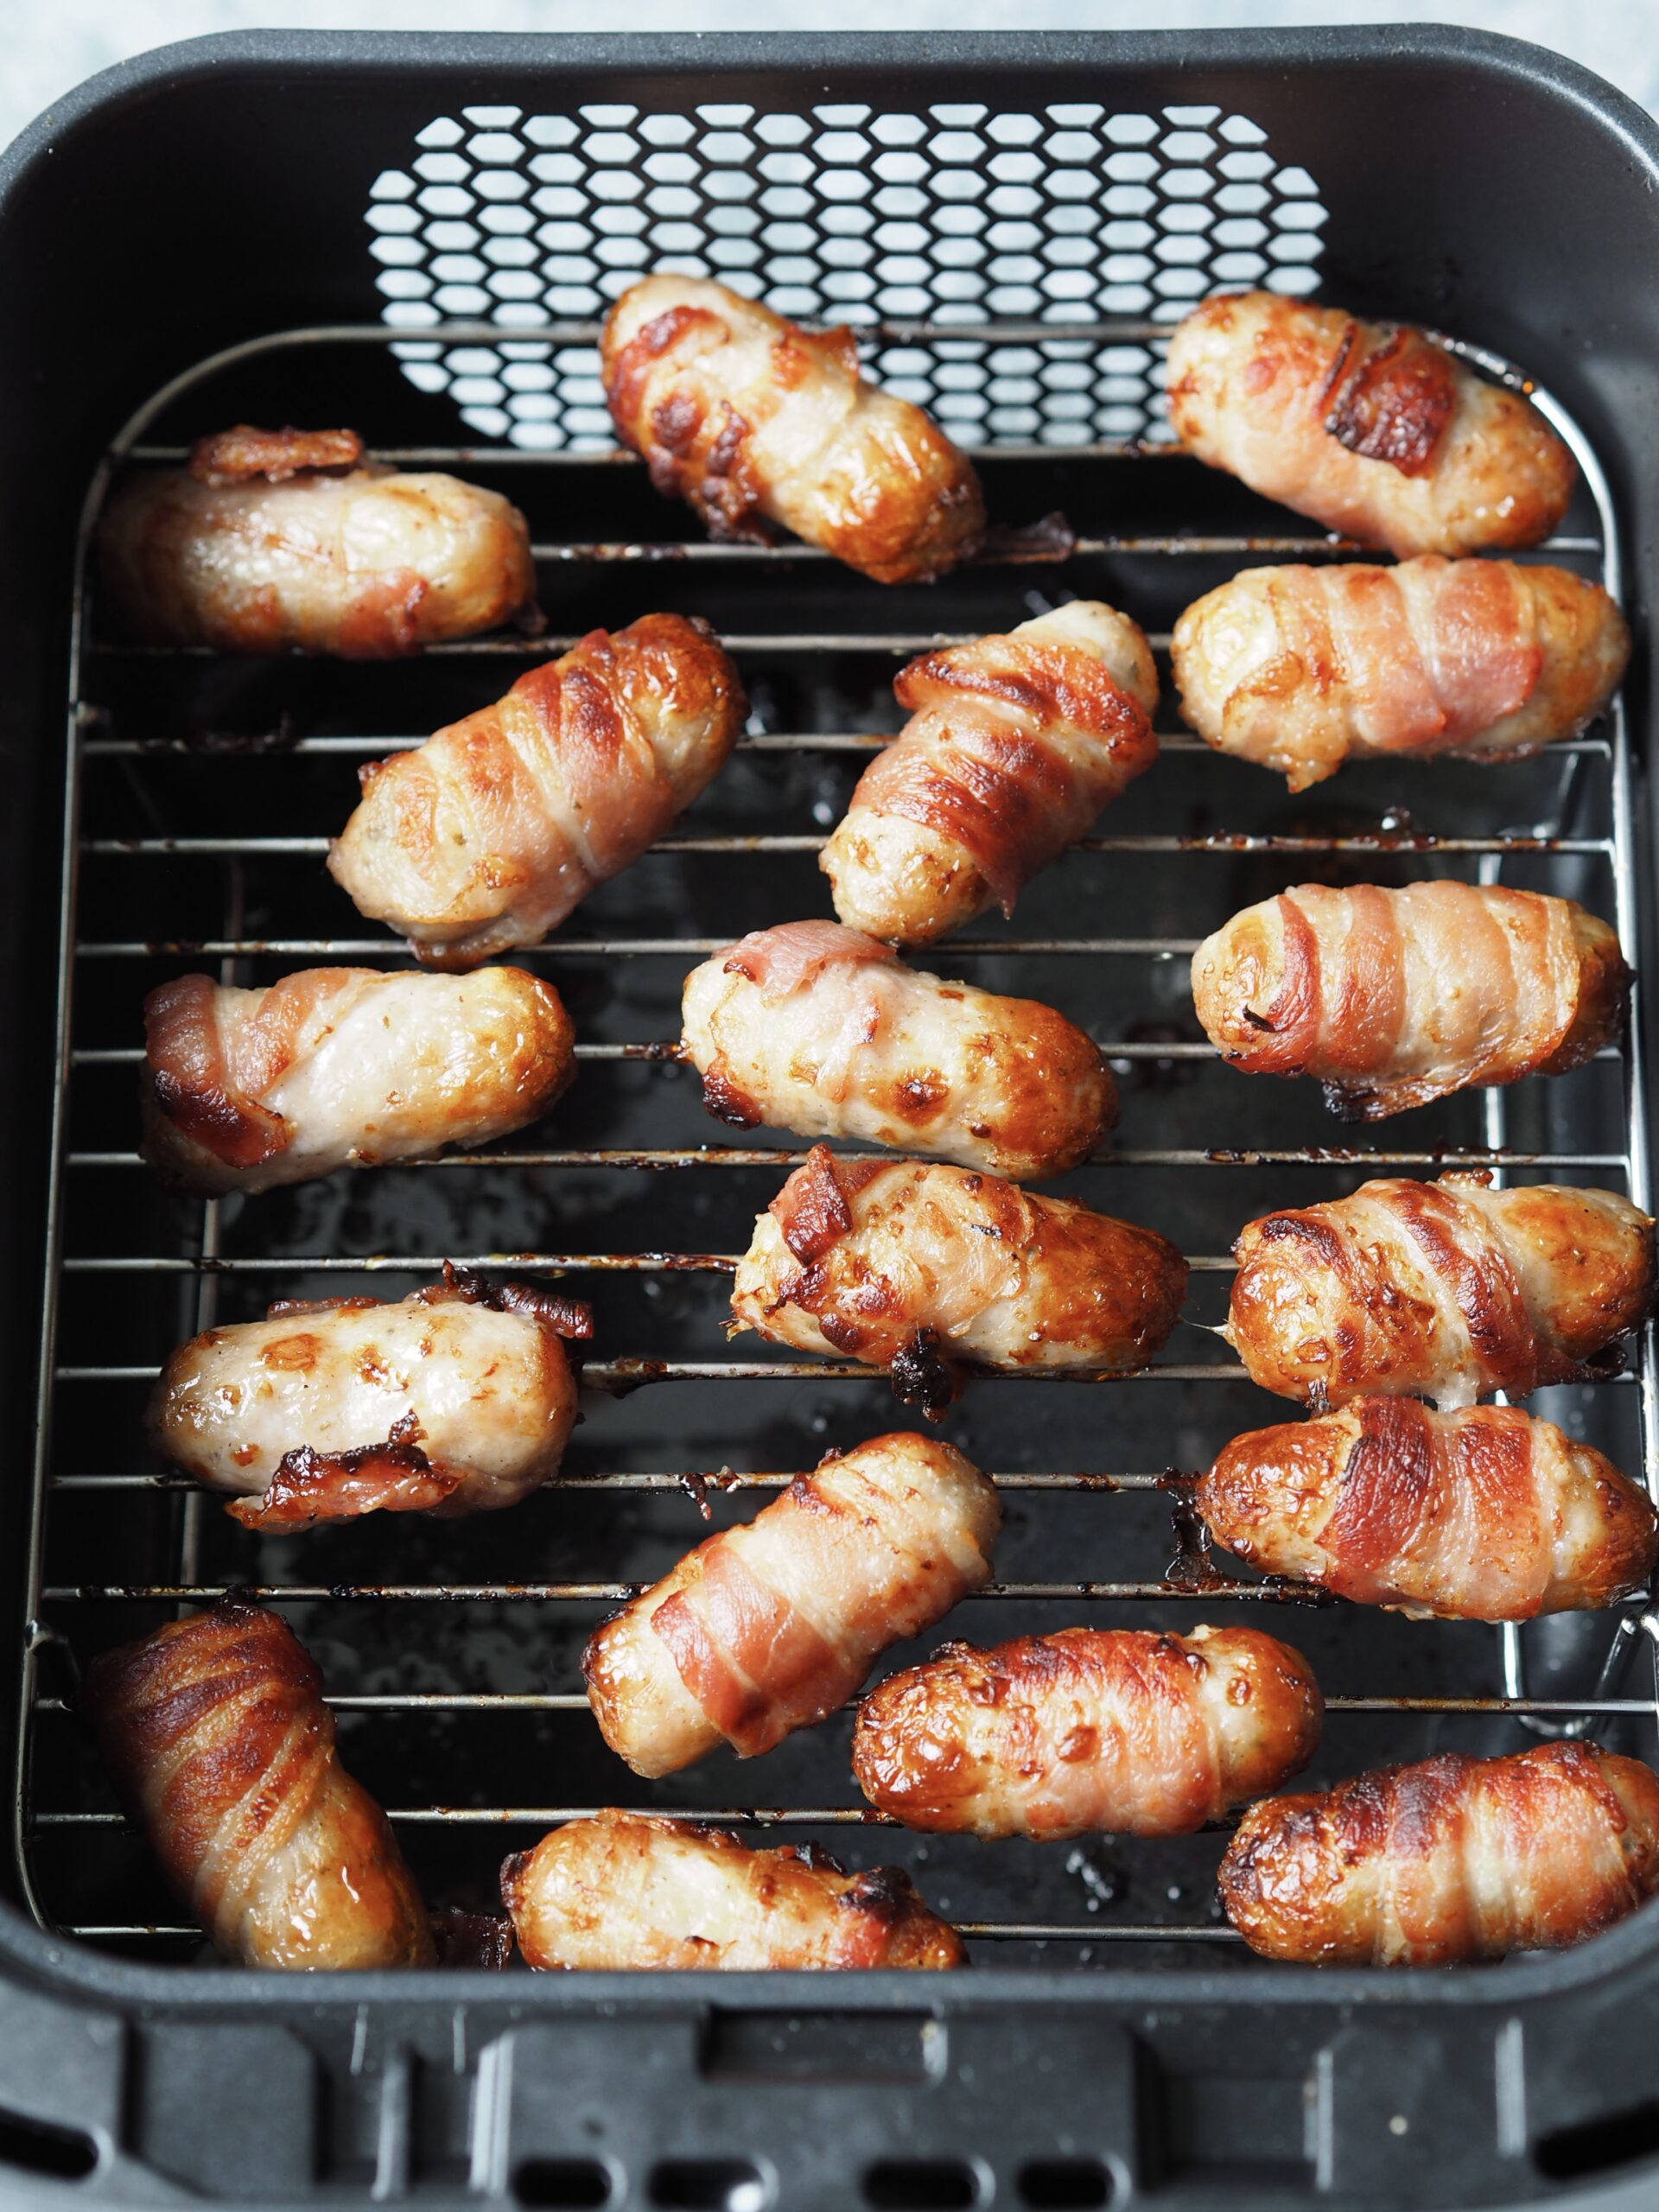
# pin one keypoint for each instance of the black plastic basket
(327, 229)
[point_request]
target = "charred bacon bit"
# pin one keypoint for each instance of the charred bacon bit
(309, 1486)
(290, 1309)
(469, 1941)
(1051, 537)
(569, 1318)
(722, 1098)
(234, 456)
(1395, 405)
(812, 1208)
(923, 1377)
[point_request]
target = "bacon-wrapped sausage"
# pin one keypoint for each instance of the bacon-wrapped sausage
(1373, 429)
(1303, 668)
(623, 1890)
(460, 1399)
(1119, 1731)
(1446, 1290)
(754, 421)
(817, 1029)
(1395, 998)
(489, 833)
(276, 540)
(217, 1736)
(765, 1628)
(343, 1067)
(914, 1268)
(1484, 1515)
(1451, 1860)
(1013, 746)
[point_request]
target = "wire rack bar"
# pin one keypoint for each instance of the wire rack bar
(1217, 1591)
(1381, 841)
(616, 947)
(576, 1701)
(674, 1156)
(125, 749)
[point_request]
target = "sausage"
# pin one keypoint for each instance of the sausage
(624, 1890)
(1447, 1290)
(343, 1067)
(460, 1398)
(488, 835)
(1484, 1515)
(1013, 746)
(917, 1268)
(766, 1629)
(1395, 998)
(1371, 429)
(215, 1732)
(1450, 1860)
(1304, 668)
(273, 541)
(816, 1028)
(1121, 1731)
(755, 420)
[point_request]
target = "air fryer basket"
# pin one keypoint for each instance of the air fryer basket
(1016, 222)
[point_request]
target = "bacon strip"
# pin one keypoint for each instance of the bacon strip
(784, 959)
(1120, 1730)
(1394, 998)
(489, 833)
(756, 1665)
(1483, 1514)
(758, 423)
(233, 456)
(1455, 1859)
(192, 1083)
(216, 1734)
(763, 1629)
(1448, 1290)
(1391, 397)
(308, 1486)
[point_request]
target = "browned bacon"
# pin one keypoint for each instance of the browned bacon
(1013, 746)
(215, 1730)
(339, 1067)
(1485, 1514)
(1446, 1290)
(1456, 1858)
(757, 422)
(1301, 668)
(489, 833)
(1394, 998)
(1120, 1730)
(1373, 430)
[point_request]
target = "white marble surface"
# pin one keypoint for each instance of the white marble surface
(47, 46)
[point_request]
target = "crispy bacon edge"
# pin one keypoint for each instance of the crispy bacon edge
(237, 455)
(1392, 403)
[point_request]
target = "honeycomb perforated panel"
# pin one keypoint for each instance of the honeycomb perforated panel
(953, 214)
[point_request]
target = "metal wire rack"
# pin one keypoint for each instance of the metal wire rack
(88, 1456)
